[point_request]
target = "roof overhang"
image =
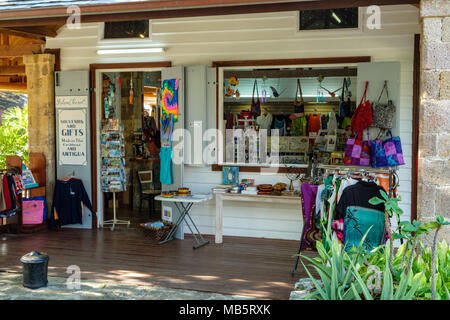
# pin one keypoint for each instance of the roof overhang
(164, 9)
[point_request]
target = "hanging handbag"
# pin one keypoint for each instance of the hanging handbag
(34, 210)
(299, 106)
(344, 106)
(383, 114)
(256, 106)
(357, 152)
(362, 118)
(388, 153)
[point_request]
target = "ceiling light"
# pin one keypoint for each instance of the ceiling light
(134, 50)
(336, 17)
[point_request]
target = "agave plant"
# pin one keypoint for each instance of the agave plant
(389, 290)
(333, 266)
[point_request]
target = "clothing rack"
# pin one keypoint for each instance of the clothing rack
(37, 165)
(353, 170)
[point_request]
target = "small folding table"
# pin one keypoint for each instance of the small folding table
(184, 205)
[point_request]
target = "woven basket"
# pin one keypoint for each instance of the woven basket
(158, 234)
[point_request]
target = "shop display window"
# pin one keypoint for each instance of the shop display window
(284, 116)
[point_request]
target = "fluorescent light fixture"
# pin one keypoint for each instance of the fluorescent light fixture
(336, 17)
(127, 51)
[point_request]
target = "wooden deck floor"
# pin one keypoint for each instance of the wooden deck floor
(241, 266)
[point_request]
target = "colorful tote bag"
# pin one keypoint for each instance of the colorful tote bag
(34, 210)
(383, 114)
(362, 118)
(357, 222)
(388, 153)
(357, 152)
(256, 106)
(299, 106)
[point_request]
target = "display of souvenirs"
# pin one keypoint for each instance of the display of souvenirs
(183, 192)
(298, 144)
(230, 175)
(297, 159)
(337, 158)
(113, 177)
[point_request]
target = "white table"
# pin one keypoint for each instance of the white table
(184, 205)
(220, 197)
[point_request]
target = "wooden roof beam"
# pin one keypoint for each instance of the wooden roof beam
(19, 50)
(27, 35)
(12, 70)
(13, 86)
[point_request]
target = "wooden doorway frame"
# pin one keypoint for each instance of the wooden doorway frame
(93, 115)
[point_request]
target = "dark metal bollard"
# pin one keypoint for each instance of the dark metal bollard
(35, 267)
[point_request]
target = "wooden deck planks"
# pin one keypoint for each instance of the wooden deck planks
(240, 266)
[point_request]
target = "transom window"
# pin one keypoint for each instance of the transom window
(329, 19)
(126, 29)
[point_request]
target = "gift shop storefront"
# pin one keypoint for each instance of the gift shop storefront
(272, 119)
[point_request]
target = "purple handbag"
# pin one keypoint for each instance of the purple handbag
(388, 153)
(357, 152)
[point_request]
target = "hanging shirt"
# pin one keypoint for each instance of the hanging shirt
(359, 195)
(299, 126)
(166, 130)
(313, 123)
(165, 172)
(344, 184)
(309, 193)
(67, 206)
(332, 123)
(264, 121)
(280, 124)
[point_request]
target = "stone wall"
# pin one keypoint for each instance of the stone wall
(434, 130)
(41, 111)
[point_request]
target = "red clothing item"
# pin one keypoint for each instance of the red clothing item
(6, 193)
(314, 123)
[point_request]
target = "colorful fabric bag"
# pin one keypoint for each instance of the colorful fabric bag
(34, 210)
(299, 106)
(357, 152)
(388, 153)
(362, 118)
(383, 114)
(255, 106)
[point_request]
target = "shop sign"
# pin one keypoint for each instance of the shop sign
(71, 102)
(72, 136)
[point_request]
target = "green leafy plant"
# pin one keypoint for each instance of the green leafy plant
(14, 134)
(391, 208)
(333, 265)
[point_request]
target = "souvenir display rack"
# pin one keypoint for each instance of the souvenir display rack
(37, 165)
(113, 177)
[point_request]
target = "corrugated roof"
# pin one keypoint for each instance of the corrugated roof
(35, 4)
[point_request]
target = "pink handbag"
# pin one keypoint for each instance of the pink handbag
(33, 211)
